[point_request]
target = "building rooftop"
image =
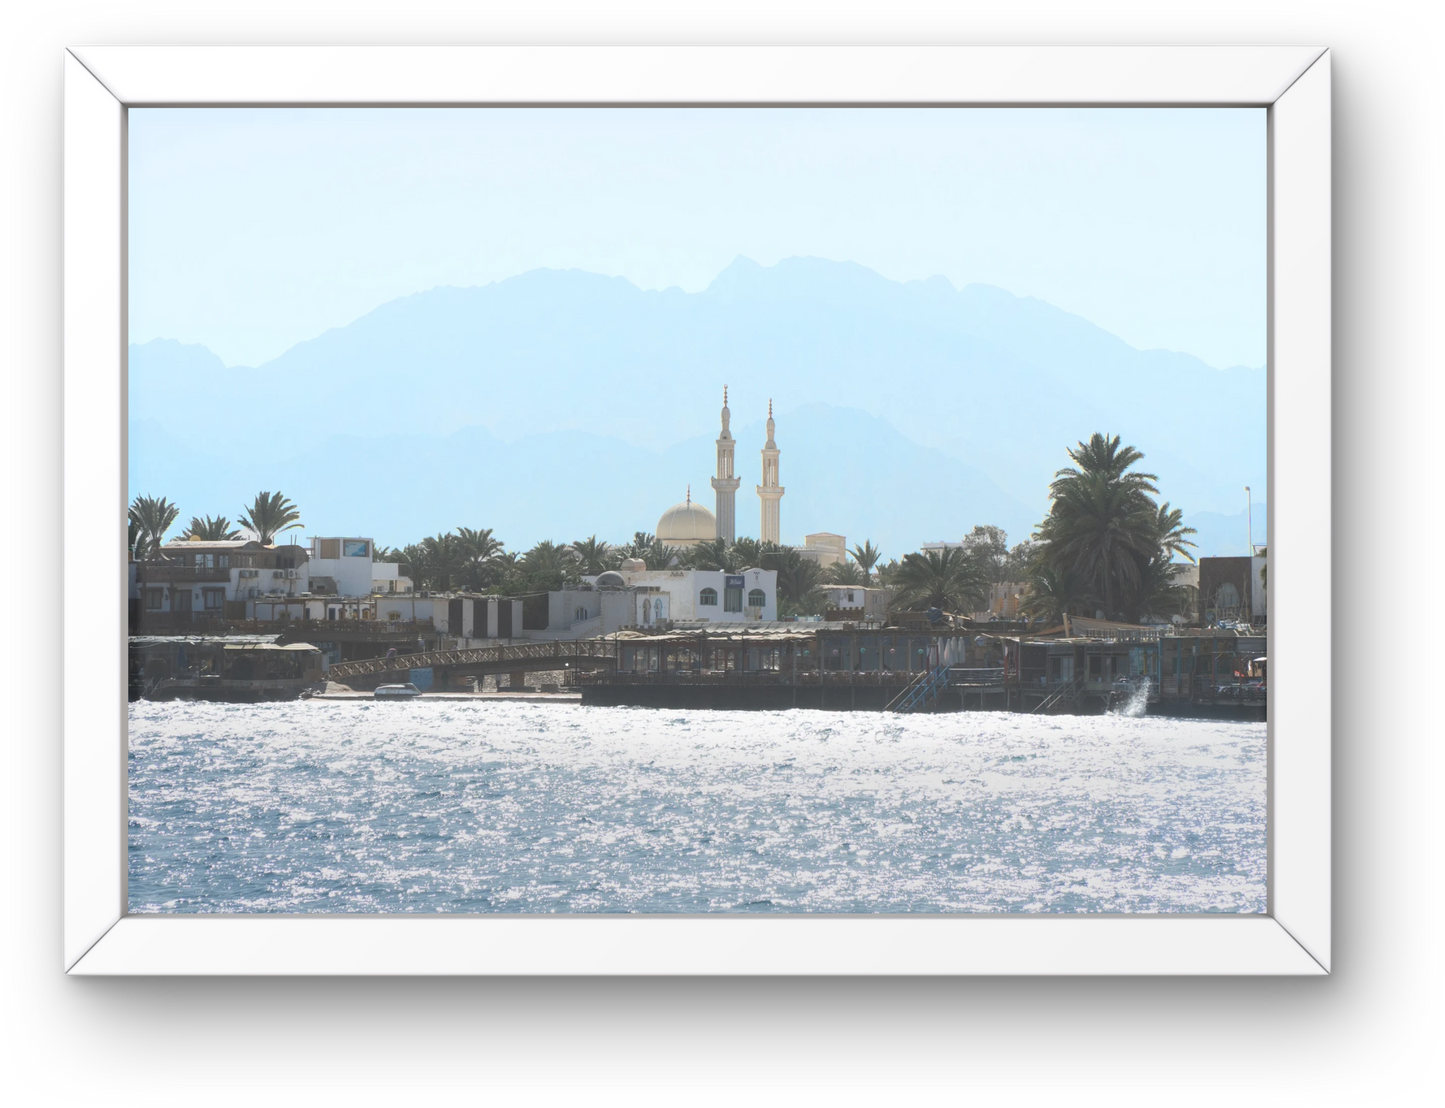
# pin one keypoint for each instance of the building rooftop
(208, 640)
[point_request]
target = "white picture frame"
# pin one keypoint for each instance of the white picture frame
(1292, 937)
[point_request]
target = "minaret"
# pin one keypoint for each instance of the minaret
(725, 484)
(770, 492)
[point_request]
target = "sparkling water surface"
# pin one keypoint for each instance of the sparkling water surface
(484, 806)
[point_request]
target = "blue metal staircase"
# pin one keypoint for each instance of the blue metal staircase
(922, 690)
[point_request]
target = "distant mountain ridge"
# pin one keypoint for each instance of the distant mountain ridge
(978, 390)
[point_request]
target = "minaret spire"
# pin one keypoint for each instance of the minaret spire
(725, 484)
(770, 492)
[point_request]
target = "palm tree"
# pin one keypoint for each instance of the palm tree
(747, 553)
(798, 580)
(867, 557)
(1171, 531)
(642, 542)
(712, 555)
(886, 573)
(210, 529)
(1158, 593)
(270, 514)
(843, 573)
(661, 555)
(1056, 591)
(506, 570)
(477, 552)
(950, 579)
(442, 558)
(546, 567)
(592, 554)
(1103, 519)
(149, 518)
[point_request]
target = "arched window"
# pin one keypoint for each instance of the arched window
(1227, 596)
(707, 598)
(579, 615)
(757, 599)
(647, 611)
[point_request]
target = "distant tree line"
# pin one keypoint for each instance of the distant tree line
(1106, 546)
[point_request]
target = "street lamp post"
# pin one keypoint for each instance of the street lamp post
(1249, 511)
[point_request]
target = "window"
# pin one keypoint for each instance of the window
(579, 615)
(215, 598)
(153, 599)
(223, 561)
(647, 611)
(707, 598)
(732, 600)
(757, 599)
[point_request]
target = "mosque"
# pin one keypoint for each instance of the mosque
(688, 524)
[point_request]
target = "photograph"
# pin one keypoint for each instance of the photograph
(698, 510)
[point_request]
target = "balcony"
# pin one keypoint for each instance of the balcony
(151, 574)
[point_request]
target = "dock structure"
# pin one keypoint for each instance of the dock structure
(847, 667)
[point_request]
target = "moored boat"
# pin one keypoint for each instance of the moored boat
(396, 692)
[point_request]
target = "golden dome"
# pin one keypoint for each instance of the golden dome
(686, 523)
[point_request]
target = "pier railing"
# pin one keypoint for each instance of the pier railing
(522, 656)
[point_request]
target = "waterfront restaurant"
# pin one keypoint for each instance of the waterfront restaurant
(787, 651)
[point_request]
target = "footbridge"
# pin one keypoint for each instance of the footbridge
(516, 659)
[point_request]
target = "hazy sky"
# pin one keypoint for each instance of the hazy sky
(253, 229)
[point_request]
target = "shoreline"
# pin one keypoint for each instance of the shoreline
(518, 697)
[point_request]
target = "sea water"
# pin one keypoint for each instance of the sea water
(480, 806)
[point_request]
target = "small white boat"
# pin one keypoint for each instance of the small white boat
(396, 692)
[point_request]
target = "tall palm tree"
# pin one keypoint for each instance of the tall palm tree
(844, 573)
(1103, 520)
(950, 579)
(209, 529)
(150, 517)
(592, 554)
(867, 557)
(270, 514)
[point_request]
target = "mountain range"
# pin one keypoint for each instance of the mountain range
(556, 404)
